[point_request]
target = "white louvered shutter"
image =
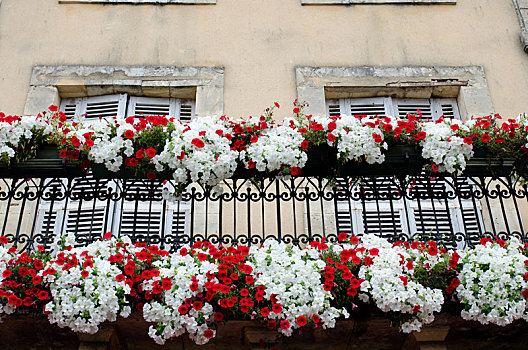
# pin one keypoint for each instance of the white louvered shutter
(85, 217)
(139, 218)
(446, 107)
(72, 107)
(142, 218)
(106, 106)
(382, 217)
(179, 109)
(186, 110)
(412, 106)
(142, 106)
(333, 107)
(371, 107)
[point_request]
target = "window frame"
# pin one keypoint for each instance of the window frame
(126, 106)
(391, 105)
(203, 83)
(466, 83)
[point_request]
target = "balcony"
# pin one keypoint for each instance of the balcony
(192, 227)
(456, 212)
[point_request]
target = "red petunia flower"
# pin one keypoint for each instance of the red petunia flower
(277, 308)
(295, 171)
(129, 134)
(208, 333)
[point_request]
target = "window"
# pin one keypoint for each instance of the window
(431, 109)
(202, 85)
(383, 209)
(122, 105)
(92, 214)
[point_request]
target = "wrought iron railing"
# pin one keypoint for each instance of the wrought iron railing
(454, 211)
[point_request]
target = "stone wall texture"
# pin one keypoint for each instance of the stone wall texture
(261, 43)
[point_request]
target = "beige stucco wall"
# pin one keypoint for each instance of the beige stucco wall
(261, 42)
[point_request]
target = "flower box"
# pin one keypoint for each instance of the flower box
(399, 160)
(47, 163)
(482, 164)
(322, 161)
(99, 171)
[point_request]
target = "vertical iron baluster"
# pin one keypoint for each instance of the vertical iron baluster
(279, 222)
(486, 195)
(163, 223)
(19, 225)
(248, 190)
(10, 197)
(503, 210)
(511, 186)
(206, 232)
(308, 213)
(220, 217)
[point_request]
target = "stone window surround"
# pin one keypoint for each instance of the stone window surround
(521, 7)
(140, 2)
(50, 83)
(468, 84)
(376, 2)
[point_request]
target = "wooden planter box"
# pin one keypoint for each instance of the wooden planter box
(47, 163)
(99, 171)
(481, 164)
(399, 160)
(322, 161)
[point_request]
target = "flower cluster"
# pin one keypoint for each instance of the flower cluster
(198, 151)
(21, 136)
(85, 288)
(445, 148)
(210, 149)
(198, 287)
(494, 283)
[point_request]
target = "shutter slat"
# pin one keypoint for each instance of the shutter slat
(186, 111)
(178, 223)
(389, 221)
(143, 106)
(86, 221)
(413, 106)
(107, 106)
